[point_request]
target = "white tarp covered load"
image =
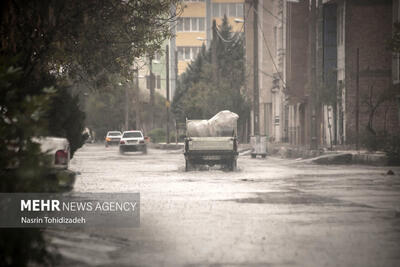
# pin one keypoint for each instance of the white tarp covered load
(224, 123)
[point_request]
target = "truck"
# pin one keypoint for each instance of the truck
(212, 142)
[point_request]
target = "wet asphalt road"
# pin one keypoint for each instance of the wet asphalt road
(271, 212)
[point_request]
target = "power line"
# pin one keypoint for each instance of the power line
(272, 14)
(270, 54)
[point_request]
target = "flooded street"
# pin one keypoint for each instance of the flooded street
(271, 212)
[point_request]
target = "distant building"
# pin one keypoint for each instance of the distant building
(366, 27)
(342, 27)
(273, 120)
(194, 26)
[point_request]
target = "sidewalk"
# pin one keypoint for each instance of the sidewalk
(296, 152)
(323, 156)
(165, 146)
(176, 146)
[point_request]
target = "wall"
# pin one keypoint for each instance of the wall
(297, 54)
(368, 27)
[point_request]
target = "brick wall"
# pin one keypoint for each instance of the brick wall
(297, 56)
(368, 27)
(297, 50)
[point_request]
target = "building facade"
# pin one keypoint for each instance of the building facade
(365, 70)
(194, 26)
(324, 70)
(272, 118)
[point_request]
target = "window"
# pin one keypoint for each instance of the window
(191, 24)
(188, 53)
(179, 25)
(232, 10)
(195, 51)
(340, 30)
(195, 26)
(186, 24)
(215, 10)
(224, 10)
(228, 9)
(180, 53)
(202, 24)
(239, 10)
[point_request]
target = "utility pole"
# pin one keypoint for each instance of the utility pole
(126, 107)
(167, 103)
(176, 81)
(137, 100)
(214, 60)
(256, 100)
(208, 23)
(358, 100)
(313, 93)
(151, 92)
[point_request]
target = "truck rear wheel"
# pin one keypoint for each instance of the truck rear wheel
(188, 165)
(233, 165)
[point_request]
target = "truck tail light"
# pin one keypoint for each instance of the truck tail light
(61, 157)
(122, 142)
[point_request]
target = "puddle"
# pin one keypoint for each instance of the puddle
(295, 198)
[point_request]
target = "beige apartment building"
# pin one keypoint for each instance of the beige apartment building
(194, 26)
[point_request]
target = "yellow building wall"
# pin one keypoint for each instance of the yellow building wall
(194, 9)
(189, 39)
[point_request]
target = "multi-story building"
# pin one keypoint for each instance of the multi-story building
(312, 87)
(194, 26)
(359, 65)
(271, 31)
(297, 72)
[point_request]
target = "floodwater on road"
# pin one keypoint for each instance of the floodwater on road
(271, 212)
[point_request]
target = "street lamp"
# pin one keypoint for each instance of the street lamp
(126, 105)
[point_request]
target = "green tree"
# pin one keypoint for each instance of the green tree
(205, 89)
(24, 167)
(56, 44)
(105, 110)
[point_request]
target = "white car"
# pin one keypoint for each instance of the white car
(113, 138)
(58, 148)
(132, 141)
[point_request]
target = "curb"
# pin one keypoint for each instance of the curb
(165, 146)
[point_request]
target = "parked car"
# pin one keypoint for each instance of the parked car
(59, 149)
(113, 138)
(132, 141)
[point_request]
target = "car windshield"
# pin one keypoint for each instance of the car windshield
(113, 133)
(132, 135)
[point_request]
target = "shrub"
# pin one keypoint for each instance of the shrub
(157, 135)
